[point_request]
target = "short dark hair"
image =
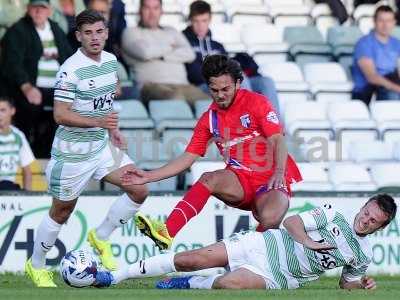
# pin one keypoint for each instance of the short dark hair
(89, 16)
(199, 7)
(383, 8)
(219, 64)
(141, 3)
(9, 100)
(387, 205)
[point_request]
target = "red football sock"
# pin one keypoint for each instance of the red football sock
(187, 208)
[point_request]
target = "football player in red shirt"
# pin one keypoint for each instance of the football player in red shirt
(248, 134)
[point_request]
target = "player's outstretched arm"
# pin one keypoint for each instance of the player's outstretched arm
(63, 115)
(172, 168)
(295, 227)
(366, 282)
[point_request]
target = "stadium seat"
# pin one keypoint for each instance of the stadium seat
(321, 150)
(315, 178)
(200, 167)
(387, 115)
(363, 17)
(386, 175)
(173, 114)
(343, 39)
(229, 35)
(350, 177)
(306, 44)
(264, 42)
(323, 19)
(289, 81)
(370, 151)
(172, 14)
(148, 150)
(328, 81)
(240, 14)
(290, 15)
(307, 120)
(351, 122)
(132, 115)
(200, 107)
(176, 140)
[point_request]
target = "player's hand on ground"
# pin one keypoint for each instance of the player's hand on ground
(33, 95)
(109, 121)
(318, 246)
(135, 176)
(277, 180)
(368, 283)
(118, 139)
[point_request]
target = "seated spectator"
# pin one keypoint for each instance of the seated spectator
(157, 56)
(15, 151)
(375, 60)
(199, 36)
(32, 50)
(114, 13)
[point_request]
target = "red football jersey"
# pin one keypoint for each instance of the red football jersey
(240, 133)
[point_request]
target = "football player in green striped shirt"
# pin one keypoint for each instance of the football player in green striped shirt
(87, 145)
(309, 244)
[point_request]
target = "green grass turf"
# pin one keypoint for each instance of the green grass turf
(19, 287)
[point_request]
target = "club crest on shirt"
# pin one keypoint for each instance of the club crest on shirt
(272, 117)
(245, 120)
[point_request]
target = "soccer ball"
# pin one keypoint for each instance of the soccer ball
(78, 268)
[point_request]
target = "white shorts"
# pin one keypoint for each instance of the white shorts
(247, 250)
(67, 180)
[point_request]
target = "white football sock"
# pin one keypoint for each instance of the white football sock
(119, 213)
(203, 282)
(46, 235)
(153, 266)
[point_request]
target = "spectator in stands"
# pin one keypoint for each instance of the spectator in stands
(31, 53)
(157, 56)
(114, 13)
(375, 60)
(15, 151)
(199, 36)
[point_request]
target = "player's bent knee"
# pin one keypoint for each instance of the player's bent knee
(209, 179)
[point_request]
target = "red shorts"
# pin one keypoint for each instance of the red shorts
(253, 186)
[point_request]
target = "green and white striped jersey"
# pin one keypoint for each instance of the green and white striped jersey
(292, 265)
(90, 87)
(15, 152)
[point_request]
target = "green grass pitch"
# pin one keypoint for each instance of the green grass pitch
(19, 287)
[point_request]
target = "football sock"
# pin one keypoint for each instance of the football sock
(187, 208)
(46, 236)
(202, 282)
(119, 213)
(153, 266)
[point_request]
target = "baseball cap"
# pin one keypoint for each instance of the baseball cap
(40, 3)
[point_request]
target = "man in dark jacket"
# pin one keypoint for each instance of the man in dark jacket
(31, 52)
(199, 36)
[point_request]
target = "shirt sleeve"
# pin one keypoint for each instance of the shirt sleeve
(363, 49)
(25, 152)
(354, 273)
(65, 86)
(318, 217)
(201, 136)
(268, 118)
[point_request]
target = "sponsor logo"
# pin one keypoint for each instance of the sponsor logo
(272, 117)
(245, 120)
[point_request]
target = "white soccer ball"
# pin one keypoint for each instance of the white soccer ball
(78, 268)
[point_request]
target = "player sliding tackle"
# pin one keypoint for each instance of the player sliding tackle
(249, 135)
(311, 243)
